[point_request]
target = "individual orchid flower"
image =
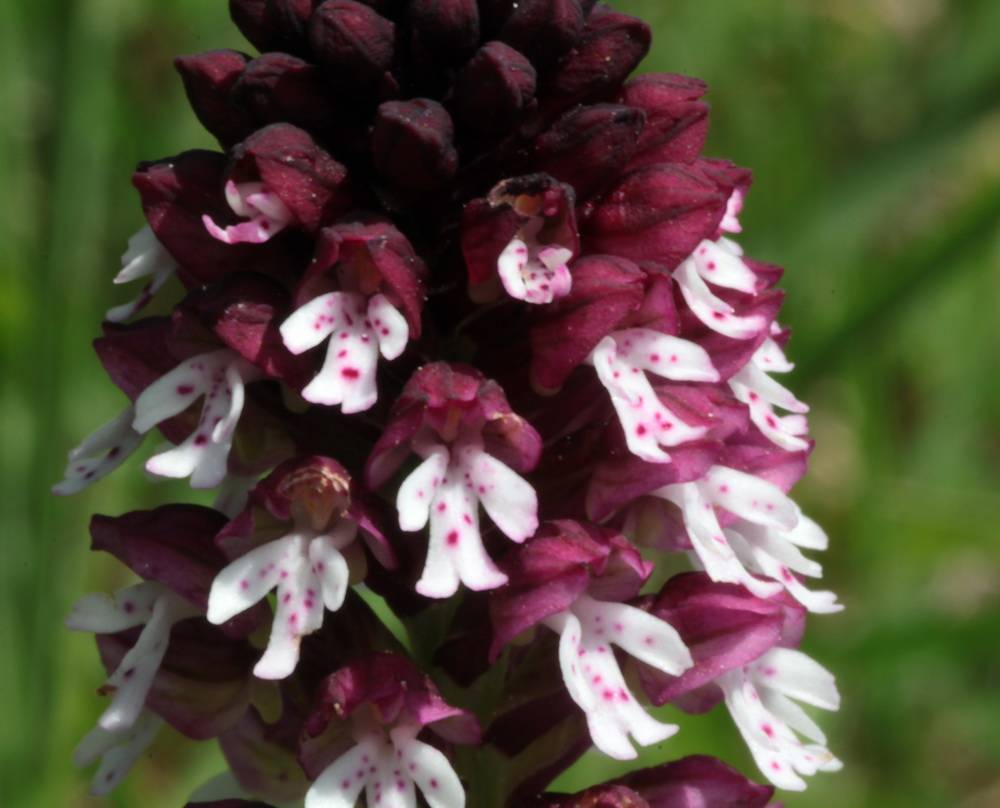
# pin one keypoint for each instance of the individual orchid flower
(754, 387)
(383, 703)
(308, 565)
(117, 750)
(266, 213)
(100, 453)
(155, 608)
(573, 578)
(363, 296)
(622, 360)
(220, 378)
(523, 233)
(280, 178)
(144, 258)
(462, 427)
(764, 536)
(762, 697)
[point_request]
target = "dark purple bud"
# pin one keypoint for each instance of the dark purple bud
(352, 43)
(493, 89)
(660, 213)
(311, 184)
(278, 88)
(610, 48)
(413, 144)
(589, 147)
(543, 30)
(172, 544)
(208, 79)
(273, 25)
(676, 117)
(444, 30)
(606, 291)
(176, 193)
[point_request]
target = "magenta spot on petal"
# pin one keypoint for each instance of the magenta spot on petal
(718, 315)
(201, 440)
(114, 451)
(128, 606)
(654, 357)
(597, 680)
(786, 574)
(768, 730)
(608, 695)
(623, 694)
(434, 782)
(400, 785)
(129, 673)
(345, 784)
(286, 598)
(89, 475)
(771, 422)
(711, 264)
(776, 766)
(184, 389)
(673, 357)
(640, 430)
(648, 640)
(244, 584)
(452, 538)
(350, 373)
(466, 518)
(754, 396)
(442, 507)
(619, 627)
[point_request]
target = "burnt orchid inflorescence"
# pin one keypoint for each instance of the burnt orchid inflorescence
(462, 340)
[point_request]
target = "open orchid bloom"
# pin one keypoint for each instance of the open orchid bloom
(622, 360)
(144, 258)
(448, 417)
(452, 245)
(573, 578)
(307, 566)
(762, 701)
(219, 378)
(377, 707)
(762, 541)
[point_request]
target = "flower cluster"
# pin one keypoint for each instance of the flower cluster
(462, 341)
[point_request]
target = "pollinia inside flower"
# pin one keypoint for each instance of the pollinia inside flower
(460, 334)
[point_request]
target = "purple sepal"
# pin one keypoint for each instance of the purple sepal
(622, 477)
(606, 291)
(204, 683)
(659, 213)
(176, 193)
(292, 166)
(697, 781)
(676, 117)
(413, 144)
(493, 90)
(548, 573)
(589, 146)
(245, 311)
(724, 627)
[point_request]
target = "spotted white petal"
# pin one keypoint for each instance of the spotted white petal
(102, 614)
(508, 498)
(413, 501)
(248, 579)
(341, 783)
(429, 770)
(99, 454)
(389, 325)
(117, 751)
(712, 310)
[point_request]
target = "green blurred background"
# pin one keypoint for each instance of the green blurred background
(873, 128)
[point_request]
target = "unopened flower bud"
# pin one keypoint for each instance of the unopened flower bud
(493, 89)
(352, 42)
(412, 143)
(208, 79)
